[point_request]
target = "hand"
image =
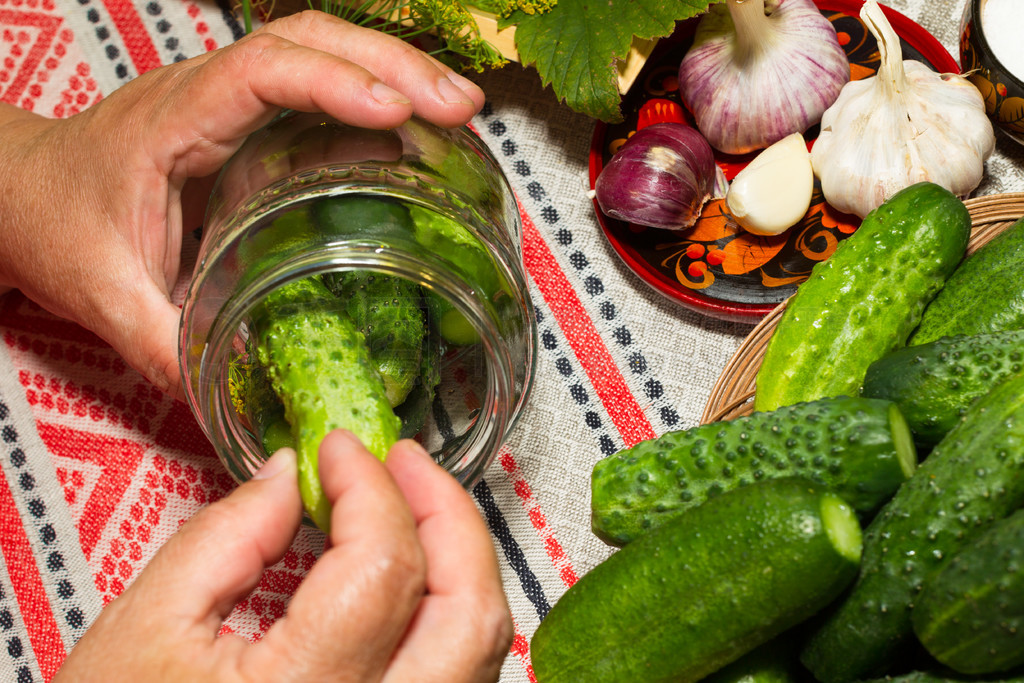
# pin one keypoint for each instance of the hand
(92, 207)
(408, 591)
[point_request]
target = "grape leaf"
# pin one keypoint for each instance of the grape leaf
(575, 46)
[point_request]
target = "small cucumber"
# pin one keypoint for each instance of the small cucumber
(414, 409)
(387, 310)
(934, 383)
(704, 589)
(970, 616)
(356, 216)
(985, 294)
(859, 448)
(774, 662)
(971, 478)
(319, 366)
(864, 300)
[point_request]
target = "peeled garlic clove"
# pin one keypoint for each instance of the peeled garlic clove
(773, 192)
(660, 178)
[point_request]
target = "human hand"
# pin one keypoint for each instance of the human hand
(92, 207)
(408, 591)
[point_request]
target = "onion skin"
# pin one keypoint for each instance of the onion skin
(661, 178)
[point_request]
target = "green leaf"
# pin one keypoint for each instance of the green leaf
(576, 45)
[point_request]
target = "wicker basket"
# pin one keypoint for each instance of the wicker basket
(733, 392)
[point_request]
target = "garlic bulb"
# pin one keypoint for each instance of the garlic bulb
(773, 192)
(759, 70)
(903, 125)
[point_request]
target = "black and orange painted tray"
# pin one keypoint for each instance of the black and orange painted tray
(715, 267)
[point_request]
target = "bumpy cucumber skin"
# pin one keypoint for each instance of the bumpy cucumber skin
(694, 595)
(845, 444)
(362, 216)
(320, 367)
(970, 615)
(387, 310)
(864, 300)
(971, 478)
(985, 294)
(933, 384)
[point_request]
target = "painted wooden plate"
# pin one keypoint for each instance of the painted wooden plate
(715, 267)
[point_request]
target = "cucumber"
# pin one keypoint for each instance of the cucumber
(414, 410)
(864, 300)
(971, 478)
(943, 677)
(319, 366)
(859, 448)
(970, 615)
(934, 383)
(362, 216)
(985, 294)
(774, 662)
(703, 589)
(386, 309)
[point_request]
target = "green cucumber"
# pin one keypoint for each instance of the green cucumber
(864, 300)
(354, 216)
(934, 383)
(985, 294)
(319, 366)
(860, 448)
(774, 662)
(387, 310)
(943, 677)
(702, 590)
(971, 478)
(414, 410)
(970, 615)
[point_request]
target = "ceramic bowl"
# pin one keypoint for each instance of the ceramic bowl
(1003, 91)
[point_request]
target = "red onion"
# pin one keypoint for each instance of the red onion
(661, 177)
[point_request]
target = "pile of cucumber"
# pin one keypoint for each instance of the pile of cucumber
(866, 521)
(358, 349)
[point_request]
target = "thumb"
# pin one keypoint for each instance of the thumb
(219, 555)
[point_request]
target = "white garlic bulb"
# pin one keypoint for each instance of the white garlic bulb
(904, 125)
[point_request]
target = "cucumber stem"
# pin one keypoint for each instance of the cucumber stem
(903, 441)
(841, 526)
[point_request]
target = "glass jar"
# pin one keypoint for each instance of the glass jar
(419, 208)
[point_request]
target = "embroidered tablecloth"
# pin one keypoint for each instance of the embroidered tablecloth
(99, 468)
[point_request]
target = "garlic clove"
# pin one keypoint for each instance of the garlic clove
(773, 192)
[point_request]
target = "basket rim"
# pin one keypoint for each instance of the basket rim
(732, 394)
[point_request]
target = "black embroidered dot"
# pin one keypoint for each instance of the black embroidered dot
(564, 237)
(593, 285)
(637, 363)
(9, 434)
(549, 214)
(93, 16)
(14, 648)
(163, 26)
(539, 314)
(563, 366)
(17, 457)
(669, 416)
(171, 44)
(578, 393)
(103, 33)
(47, 534)
(607, 445)
(607, 310)
(497, 128)
(654, 389)
(487, 110)
(508, 147)
(64, 589)
(623, 336)
(521, 168)
(55, 562)
(112, 52)
(36, 507)
(122, 71)
(24, 674)
(26, 481)
(153, 9)
(536, 191)
(6, 620)
(547, 338)
(4, 411)
(75, 618)
(592, 419)
(579, 260)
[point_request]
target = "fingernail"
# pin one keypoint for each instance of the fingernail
(387, 95)
(451, 93)
(278, 463)
(467, 86)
